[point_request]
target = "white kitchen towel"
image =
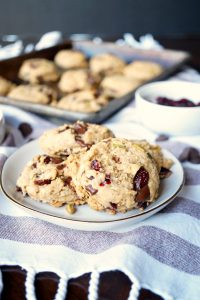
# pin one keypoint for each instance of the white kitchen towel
(161, 254)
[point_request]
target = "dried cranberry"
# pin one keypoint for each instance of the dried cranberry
(80, 128)
(47, 160)
(42, 181)
(18, 189)
(95, 165)
(164, 173)
(178, 103)
(67, 181)
(185, 103)
(106, 181)
(90, 189)
(61, 167)
(141, 179)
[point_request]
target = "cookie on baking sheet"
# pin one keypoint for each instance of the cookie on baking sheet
(142, 70)
(41, 94)
(46, 178)
(5, 86)
(75, 138)
(76, 80)
(70, 59)
(116, 86)
(116, 175)
(86, 101)
(106, 64)
(38, 70)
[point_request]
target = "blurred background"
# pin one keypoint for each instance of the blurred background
(105, 17)
(174, 23)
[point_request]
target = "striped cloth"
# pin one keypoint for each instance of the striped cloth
(161, 253)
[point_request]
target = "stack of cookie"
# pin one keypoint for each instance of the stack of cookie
(74, 83)
(85, 163)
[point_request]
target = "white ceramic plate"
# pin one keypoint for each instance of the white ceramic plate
(85, 218)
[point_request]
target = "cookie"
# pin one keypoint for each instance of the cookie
(116, 175)
(41, 94)
(86, 101)
(106, 64)
(47, 179)
(116, 86)
(70, 59)
(38, 70)
(153, 151)
(5, 86)
(75, 138)
(76, 80)
(142, 70)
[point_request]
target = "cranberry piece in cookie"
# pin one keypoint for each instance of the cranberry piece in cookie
(95, 165)
(141, 179)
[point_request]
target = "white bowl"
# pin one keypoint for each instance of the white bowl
(2, 127)
(169, 119)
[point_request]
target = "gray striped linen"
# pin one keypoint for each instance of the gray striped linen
(165, 245)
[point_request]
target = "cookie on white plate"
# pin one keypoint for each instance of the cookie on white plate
(47, 179)
(117, 175)
(70, 139)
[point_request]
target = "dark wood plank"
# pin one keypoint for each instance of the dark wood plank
(113, 285)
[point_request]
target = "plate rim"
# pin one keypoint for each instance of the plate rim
(142, 213)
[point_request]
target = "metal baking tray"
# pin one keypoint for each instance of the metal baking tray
(169, 59)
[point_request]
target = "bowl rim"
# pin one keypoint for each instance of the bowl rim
(173, 82)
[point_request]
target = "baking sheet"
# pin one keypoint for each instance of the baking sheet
(169, 59)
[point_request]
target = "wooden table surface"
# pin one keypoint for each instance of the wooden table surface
(113, 285)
